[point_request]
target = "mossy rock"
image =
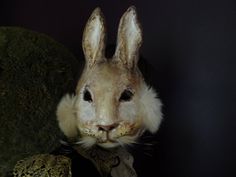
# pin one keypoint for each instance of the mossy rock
(35, 72)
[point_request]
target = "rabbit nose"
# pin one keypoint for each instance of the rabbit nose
(107, 128)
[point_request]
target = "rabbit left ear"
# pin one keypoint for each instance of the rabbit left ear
(129, 39)
(94, 38)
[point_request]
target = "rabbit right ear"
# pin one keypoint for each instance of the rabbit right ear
(94, 38)
(129, 39)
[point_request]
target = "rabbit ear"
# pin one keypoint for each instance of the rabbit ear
(129, 38)
(94, 38)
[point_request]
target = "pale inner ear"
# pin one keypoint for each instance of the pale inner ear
(132, 35)
(129, 38)
(94, 38)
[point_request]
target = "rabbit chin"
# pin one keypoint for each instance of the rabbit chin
(89, 141)
(121, 141)
(108, 144)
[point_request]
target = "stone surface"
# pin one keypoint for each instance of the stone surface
(35, 72)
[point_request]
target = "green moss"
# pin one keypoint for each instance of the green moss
(35, 71)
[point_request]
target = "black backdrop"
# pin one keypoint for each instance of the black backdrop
(191, 47)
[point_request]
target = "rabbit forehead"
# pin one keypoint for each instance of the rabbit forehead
(108, 75)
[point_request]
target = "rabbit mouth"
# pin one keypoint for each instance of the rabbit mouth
(123, 140)
(108, 143)
(125, 134)
(119, 137)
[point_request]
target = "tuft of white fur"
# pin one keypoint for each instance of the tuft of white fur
(128, 111)
(86, 110)
(66, 116)
(86, 142)
(127, 140)
(151, 108)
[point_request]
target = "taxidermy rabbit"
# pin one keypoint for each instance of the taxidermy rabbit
(112, 105)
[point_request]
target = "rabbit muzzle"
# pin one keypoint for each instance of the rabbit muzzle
(112, 135)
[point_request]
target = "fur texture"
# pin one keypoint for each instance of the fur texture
(112, 105)
(151, 109)
(148, 108)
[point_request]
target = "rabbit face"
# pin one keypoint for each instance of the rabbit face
(107, 107)
(113, 105)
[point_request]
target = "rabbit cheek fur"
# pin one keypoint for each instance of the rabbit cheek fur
(112, 105)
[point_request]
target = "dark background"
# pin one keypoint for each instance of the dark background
(191, 46)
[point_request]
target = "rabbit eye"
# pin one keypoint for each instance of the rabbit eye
(87, 96)
(126, 96)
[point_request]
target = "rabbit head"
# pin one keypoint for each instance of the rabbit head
(112, 105)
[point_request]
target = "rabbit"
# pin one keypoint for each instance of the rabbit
(112, 105)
